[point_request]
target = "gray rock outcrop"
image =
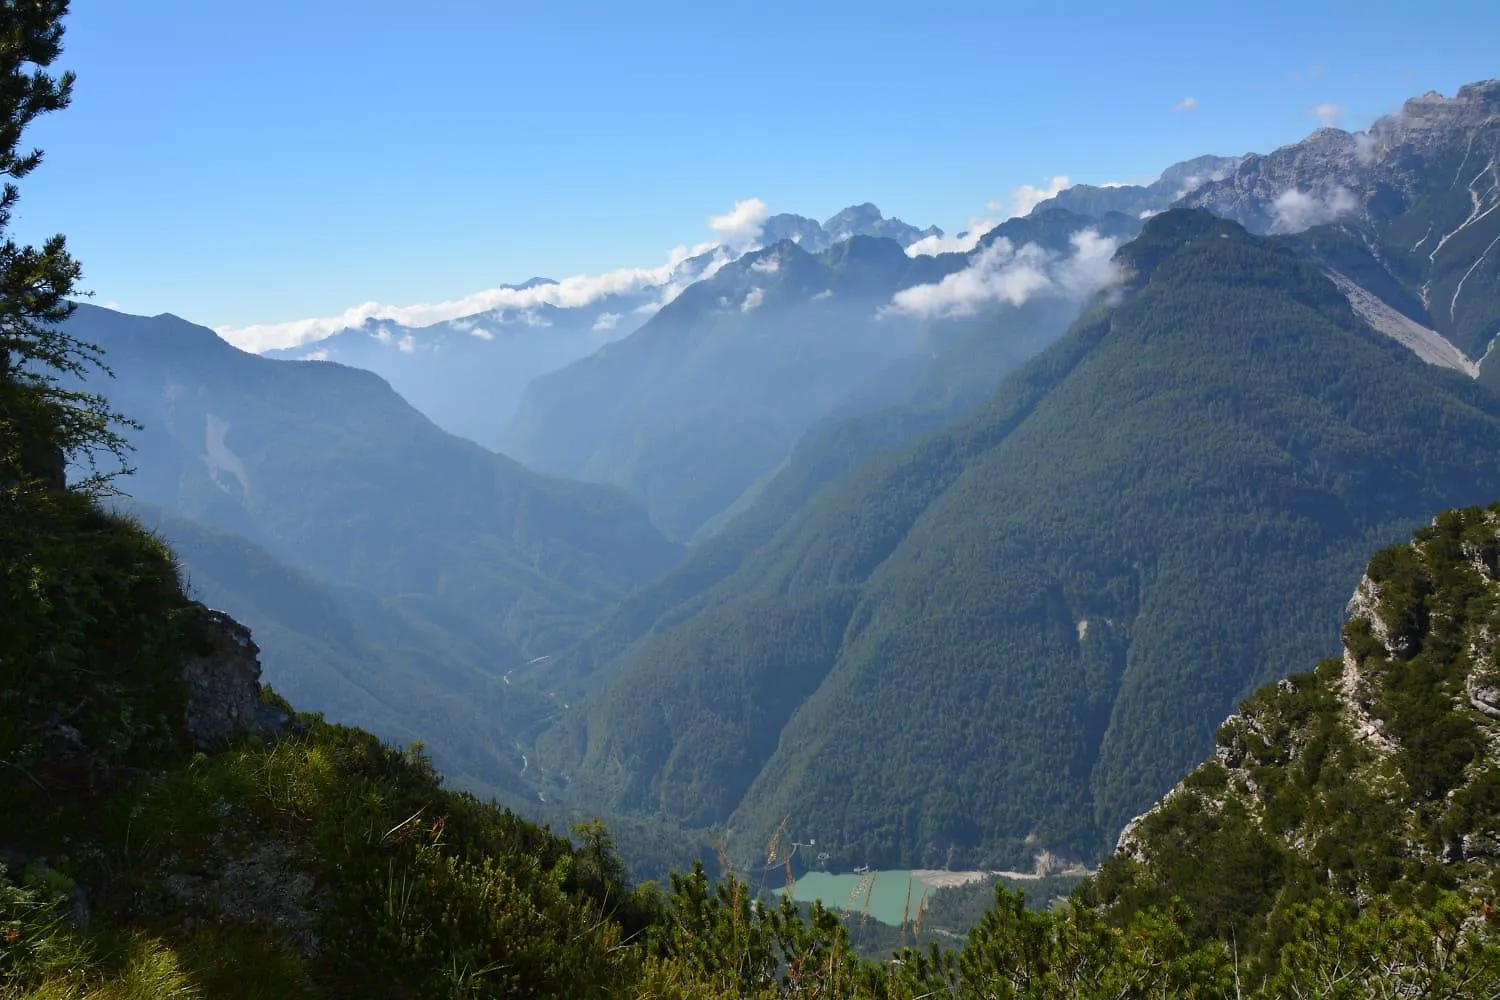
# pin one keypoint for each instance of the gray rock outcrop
(221, 671)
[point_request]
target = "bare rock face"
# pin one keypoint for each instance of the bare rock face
(221, 670)
(1379, 172)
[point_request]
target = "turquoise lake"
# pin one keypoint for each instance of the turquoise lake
(888, 893)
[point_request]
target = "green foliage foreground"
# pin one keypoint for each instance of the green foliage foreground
(318, 862)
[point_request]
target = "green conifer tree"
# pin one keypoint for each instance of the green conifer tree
(44, 418)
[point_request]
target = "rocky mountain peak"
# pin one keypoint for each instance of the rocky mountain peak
(1471, 105)
(799, 229)
(853, 219)
(531, 283)
(1381, 171)
(864, 219)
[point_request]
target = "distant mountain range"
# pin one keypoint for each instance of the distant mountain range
(712, 393)
(467, 374)
(1143, 200)
(856, 220)
(709, 395)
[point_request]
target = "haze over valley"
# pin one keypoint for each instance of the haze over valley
(1126, 548)
(811, 482)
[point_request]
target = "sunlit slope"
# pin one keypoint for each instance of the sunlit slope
(1017, 633)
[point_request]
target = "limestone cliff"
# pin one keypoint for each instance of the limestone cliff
(1377, 773)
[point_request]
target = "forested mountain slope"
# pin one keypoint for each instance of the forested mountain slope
(334, 474)
(934, 392)
(959, 368)
(360, 660)
(395, 573)
(1015, 633)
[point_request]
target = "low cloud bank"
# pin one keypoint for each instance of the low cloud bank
(958, 243)
(1003, 273)
(1294, 210)
(737, 232)
(1026, 197)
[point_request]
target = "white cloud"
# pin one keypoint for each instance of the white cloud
(740, 225)
(1002, 273)
(753, 299)
(526, 317)
(1186, 104)
(606, 321)
(826, 293)
(1294, 210)
(736, 230)
(959, 243)
(470, 325)
(1090, 267)
(321, 354)
(579, 290)
(112, 304)
(1026, 197)
(721, 256)
(406, 343)
(1148, 213)
(766, 265)
(686, 276)
(1327, 113)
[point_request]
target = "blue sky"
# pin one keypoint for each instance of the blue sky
(241, 162)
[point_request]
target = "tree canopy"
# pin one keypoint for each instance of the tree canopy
(44, 418)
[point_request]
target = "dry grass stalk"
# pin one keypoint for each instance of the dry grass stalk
(864, 917)
(728, 869)
(775, 845)
(905, 911)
